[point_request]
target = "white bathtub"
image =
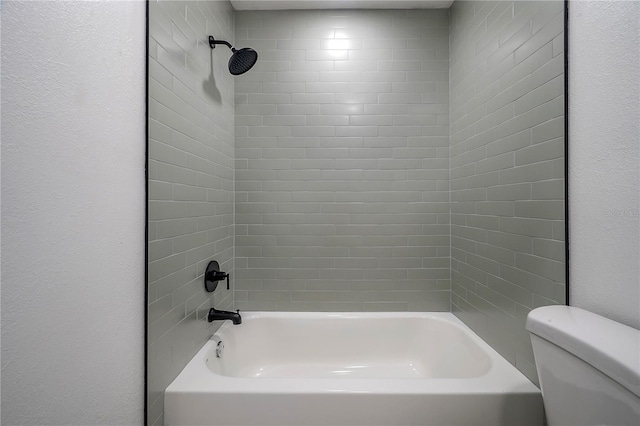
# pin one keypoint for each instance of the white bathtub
(284, 368)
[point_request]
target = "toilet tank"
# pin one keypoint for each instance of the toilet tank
(588, 366)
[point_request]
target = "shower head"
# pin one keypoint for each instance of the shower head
(241, 61)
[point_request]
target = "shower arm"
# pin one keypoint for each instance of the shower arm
(213, 42)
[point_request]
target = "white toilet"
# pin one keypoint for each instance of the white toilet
(588, 365)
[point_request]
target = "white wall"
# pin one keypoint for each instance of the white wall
(604, 120)
(73, 198)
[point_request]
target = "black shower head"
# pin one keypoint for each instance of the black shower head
(241, 61)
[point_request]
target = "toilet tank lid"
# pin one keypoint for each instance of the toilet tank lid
(608, 346)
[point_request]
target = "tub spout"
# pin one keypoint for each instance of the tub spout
(215, 314)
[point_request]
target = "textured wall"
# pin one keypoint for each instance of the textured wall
(342, 194)
(191, 196)
(507, 168)
(73, 212)
(604, 131)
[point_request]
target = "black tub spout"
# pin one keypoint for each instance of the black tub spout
(215, 314)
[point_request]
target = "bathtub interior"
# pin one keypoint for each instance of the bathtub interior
(353, 346)
(358, 369)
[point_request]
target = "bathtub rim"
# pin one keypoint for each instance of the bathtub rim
(502, 377)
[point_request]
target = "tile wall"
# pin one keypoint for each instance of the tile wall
(507, 168)
(354, 190)
(191, 193)
(342, 161)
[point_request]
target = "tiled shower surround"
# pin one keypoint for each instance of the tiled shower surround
(342, 161)
(191, 193)
(507, 168)
(371, 160)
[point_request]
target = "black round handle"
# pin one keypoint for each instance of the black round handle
(212, 275)
(211, 284)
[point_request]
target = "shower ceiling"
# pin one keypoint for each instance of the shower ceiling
(339, 4)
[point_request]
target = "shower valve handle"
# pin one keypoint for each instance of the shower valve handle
(212, 275)
(218, 276)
